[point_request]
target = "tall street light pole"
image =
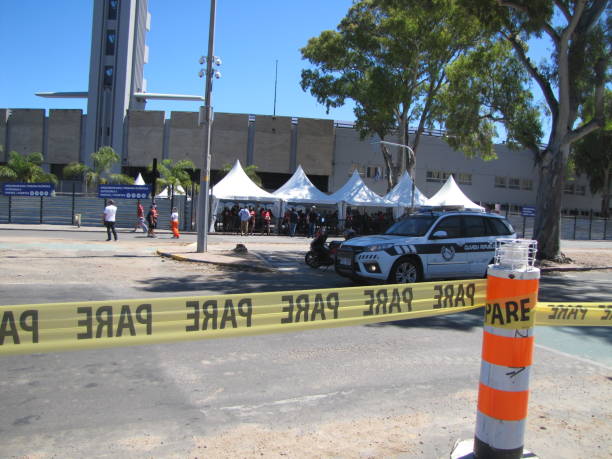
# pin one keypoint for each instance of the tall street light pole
(206, 119)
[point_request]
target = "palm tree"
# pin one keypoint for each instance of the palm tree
(172, 174)
(103, 161)
(26, 168)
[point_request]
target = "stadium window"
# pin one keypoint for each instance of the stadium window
(464, 179)
(514, 183)
(108, 76)
(434, 176)
(526, 184)
(580, 190)
(569, 188)
(110, 42)
(112, 9)
(374, 172)
(500, 182)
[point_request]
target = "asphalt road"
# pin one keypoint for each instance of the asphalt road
(402, 389)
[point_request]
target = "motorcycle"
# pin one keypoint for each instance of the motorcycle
(321, 253)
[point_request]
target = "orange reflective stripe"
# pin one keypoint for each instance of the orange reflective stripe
(500, 288)
(507, 352)
(502, 405)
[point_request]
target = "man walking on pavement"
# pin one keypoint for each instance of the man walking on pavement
(140, 222)
(110, 212)
(245, 216)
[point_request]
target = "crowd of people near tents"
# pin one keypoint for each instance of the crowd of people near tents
(303, 222)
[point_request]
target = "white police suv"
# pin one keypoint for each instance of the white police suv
(426, 245)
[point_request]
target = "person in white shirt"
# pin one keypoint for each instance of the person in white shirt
(110, 212)
(245, 216)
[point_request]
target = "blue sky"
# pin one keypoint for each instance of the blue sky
(46, 46)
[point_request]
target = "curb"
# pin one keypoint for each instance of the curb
(237, 266)
(570, 269)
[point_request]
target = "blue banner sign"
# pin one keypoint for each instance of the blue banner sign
(27, 189)
(528, 211)
(124, 191)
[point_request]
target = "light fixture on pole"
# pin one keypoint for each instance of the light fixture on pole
(206, 118)
(400, 145)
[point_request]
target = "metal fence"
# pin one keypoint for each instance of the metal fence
(572, 227)
(62, 208)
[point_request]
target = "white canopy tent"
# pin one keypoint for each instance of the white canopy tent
(139, 180)
(300, 190)
(237, 186)
(405, 194)
(164, 194)
(356, 193)
(451, 195)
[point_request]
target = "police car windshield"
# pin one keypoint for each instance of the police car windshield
(415, 225)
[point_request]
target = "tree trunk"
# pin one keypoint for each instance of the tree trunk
(605, 194)
(548, 203)
(388, 166)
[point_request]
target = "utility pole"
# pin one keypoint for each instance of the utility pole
(203, 208)
(275, 81)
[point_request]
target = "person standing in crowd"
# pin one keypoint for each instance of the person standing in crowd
(293, 221)
(267, 217)
(140, 219)
(152, 220)
(174, 223)
(313, 219)
(252, 220)
(110, 213)
(244, 216)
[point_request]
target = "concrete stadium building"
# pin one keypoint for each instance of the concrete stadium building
(328, 151)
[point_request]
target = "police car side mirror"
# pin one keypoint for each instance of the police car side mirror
(439, 234)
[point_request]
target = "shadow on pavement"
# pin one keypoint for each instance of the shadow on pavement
(464, 321)
(241, 282)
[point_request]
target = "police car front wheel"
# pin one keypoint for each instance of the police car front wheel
(405, 271)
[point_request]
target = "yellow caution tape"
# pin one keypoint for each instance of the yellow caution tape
(596, 314)
(37, 328)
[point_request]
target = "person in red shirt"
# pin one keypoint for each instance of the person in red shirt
(140, 219)
(152, 220)
(267, 216)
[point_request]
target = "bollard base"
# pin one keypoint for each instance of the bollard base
(465, 450)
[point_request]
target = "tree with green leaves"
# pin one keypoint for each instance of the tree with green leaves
(250, 171)
(592, 155)
(26, 169)
(389, 57)
(100, 173)
(499, 91)
(174, 174)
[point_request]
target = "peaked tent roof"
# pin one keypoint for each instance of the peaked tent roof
(356, 193)
(300, 189)
(139, 180)
(178, 191)
(401, 194)
(451, 195)
(236, 185)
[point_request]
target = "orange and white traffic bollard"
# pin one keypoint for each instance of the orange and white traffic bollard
(507, 350)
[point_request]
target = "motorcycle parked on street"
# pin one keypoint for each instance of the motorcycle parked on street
(321, 252)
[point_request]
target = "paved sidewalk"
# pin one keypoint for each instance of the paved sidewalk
(586, 255)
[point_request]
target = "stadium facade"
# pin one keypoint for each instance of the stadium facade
(328, 151)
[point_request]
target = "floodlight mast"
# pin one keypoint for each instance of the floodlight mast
(203, 199)
(401, 145)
